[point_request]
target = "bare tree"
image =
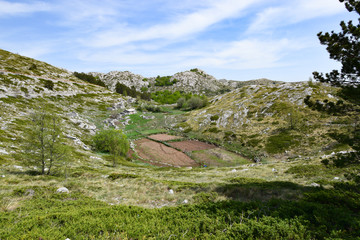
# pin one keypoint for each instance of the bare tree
(44, 143)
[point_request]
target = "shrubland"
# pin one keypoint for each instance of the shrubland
(286, 165)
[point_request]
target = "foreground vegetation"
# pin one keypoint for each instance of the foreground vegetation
(320, 214)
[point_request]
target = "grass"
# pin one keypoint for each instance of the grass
(271, 200)
(218, 157)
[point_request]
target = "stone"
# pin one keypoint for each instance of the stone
(336, 178)
(274, 170)
(2, 151)
(185, 201)
(29, 192)
(171, 191)
(73, 114)
(315, 185)
(234, 170)
(62, 190)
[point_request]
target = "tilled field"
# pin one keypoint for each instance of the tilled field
(191, 145)
(161, 155)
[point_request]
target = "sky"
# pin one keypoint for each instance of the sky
(229, 39)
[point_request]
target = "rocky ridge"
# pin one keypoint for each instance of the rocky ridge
(195, 81)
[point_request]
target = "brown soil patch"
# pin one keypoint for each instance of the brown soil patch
(163, 137)
(159, 154)
(191, 145)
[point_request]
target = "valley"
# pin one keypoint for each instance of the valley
(234, 160)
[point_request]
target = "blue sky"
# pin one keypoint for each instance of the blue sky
(231, 39)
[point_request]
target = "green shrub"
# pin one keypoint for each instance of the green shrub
(306, 170)
(214, 117)
(49, 84)
(89, 78)
(33, 67)
(115, 176)
(203, 197)
(112, 141)
(214, 130)
(168, 97)
(196, 102)
(165, 81)
(127, 91)
(180, 103)
(24, 89)
(281, 142)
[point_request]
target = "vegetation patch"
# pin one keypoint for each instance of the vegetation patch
(114, 176)
(281, 142)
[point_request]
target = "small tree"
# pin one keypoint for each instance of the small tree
(293, 118)
(180, 102)
(112, 141)
(44, 143)
(345, 48)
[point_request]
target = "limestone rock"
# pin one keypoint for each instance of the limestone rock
(62, 190)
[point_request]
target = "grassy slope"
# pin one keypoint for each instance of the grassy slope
(30, 207)
(272, 119)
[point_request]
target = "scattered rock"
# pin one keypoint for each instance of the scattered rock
(234, 170)
(185, 201)
(147, 117)
(18, 167)
(62, 190)
(274, 170)
(336, 178)
(171, 191)
(2, 176)
(73, 115)
(315, 185)
(245, 170)
(29, 192)
(3, 151)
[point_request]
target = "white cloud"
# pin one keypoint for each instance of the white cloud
(181, 27)
(13, 8)
(293, 12)
(236, 55)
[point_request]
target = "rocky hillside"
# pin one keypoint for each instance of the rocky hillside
(27, 84)
(232, 84)
(274, 119)
(194, 80)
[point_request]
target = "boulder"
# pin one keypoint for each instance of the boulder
(62, 190)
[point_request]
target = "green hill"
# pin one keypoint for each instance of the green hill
(262, 178)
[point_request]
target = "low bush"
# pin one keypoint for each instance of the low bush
(320, 215)
(165, 81)
(49, 84)
(115, 176)
(112, 141)
(214, 117)
(89, 78)
(280, 142)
